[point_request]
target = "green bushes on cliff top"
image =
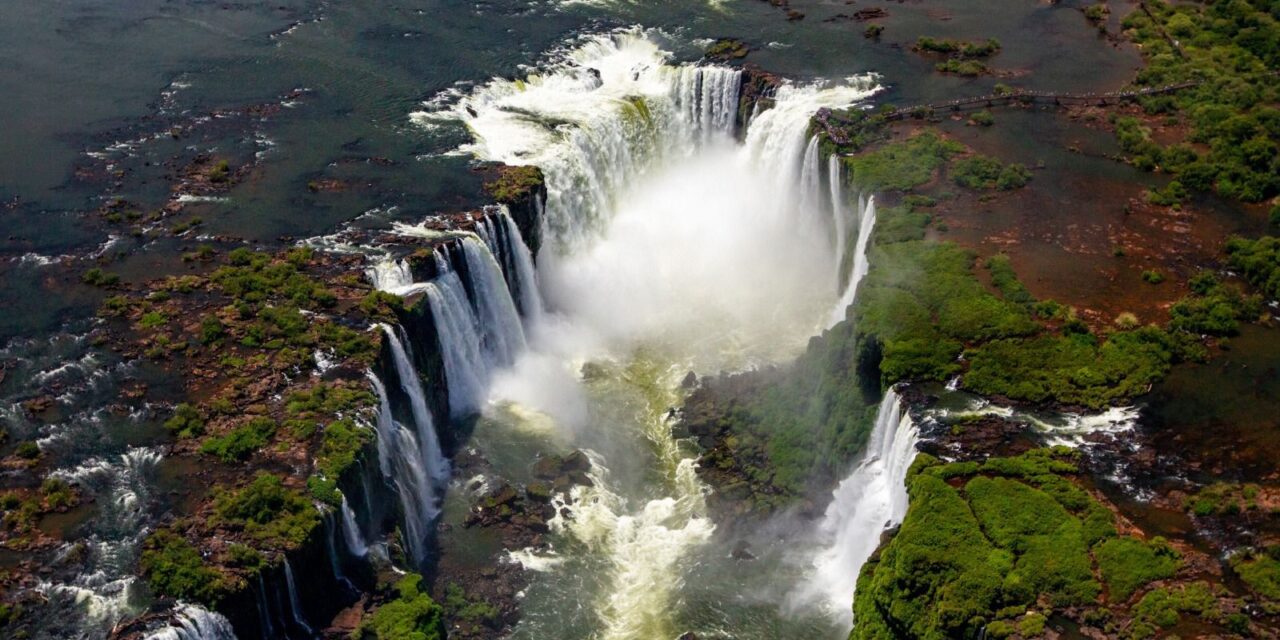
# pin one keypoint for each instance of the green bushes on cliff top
(982, 542)
(267, 511)
(174, 568)
(901, 166)
(413, 615)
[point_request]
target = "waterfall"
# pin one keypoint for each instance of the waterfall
(810, 177)
(502, 334)
(593, 119)
(332, 531)
(839, 223)
(435, 463)
(401, 462)
(295, 605)
(866, 222)
(191, 622)
(526, 278)
(866, 503)
(466, 369)
(264, 610)
(390, 275)
(351, 531)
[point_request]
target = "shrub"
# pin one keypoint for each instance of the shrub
(27, 450)
(267, 511)
(1152, 277)
(982, 118)
(186, 422)
(900, 166)
(173, 567)
(1258, 261)
(1261, 571)
(983, 172)
(1128, 564)
(99, 278)
(242, 441)
(873, 31)
(413, 615)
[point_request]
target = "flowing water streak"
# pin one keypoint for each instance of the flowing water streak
(866, 503)
(192, 622)
(503, 335)
(466, 368)
(646, 546)
(838, 222)
(434, 462)
(351, 531)
(295, 605)
(400, 459)
(525, 276)
(866, 222)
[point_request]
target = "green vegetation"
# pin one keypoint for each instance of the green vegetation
(982, 118)
(1162, 608)
(99, 278)
(873, 31)
(242, 441)
(1260, 570)
(173, 567)
(961, 48)
(267, 511)
(27, 450)
(1152, 276)
(981, 542)
(382, 306)
(462, 606)
(901, 166)
(340, 448)
(1223, 499)
(983, 172)
(1231, 48)
(1075, 369)
(1258, 261)
(1097, 12)
(186, 422)
(220, 172)
(1128, 564)
(967, 68)
(514, 183)
(1214, 308)
(413, 615)
(984, 542)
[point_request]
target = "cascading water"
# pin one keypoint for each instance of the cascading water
(401, 462)
(522, 264)
(191, 622)
(390, 275)
(667, 246)
(433, 460)
(870, 500)
(503, 336)
(295, 604)
(866, 223)
(351, 531)
(466, 368)
(838, 222)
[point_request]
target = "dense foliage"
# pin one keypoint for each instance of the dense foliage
(266, 510)
(983, 542)
(173, 567)
(1233, 50)
(413, 615)
(1258, 261)
(902, 165)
